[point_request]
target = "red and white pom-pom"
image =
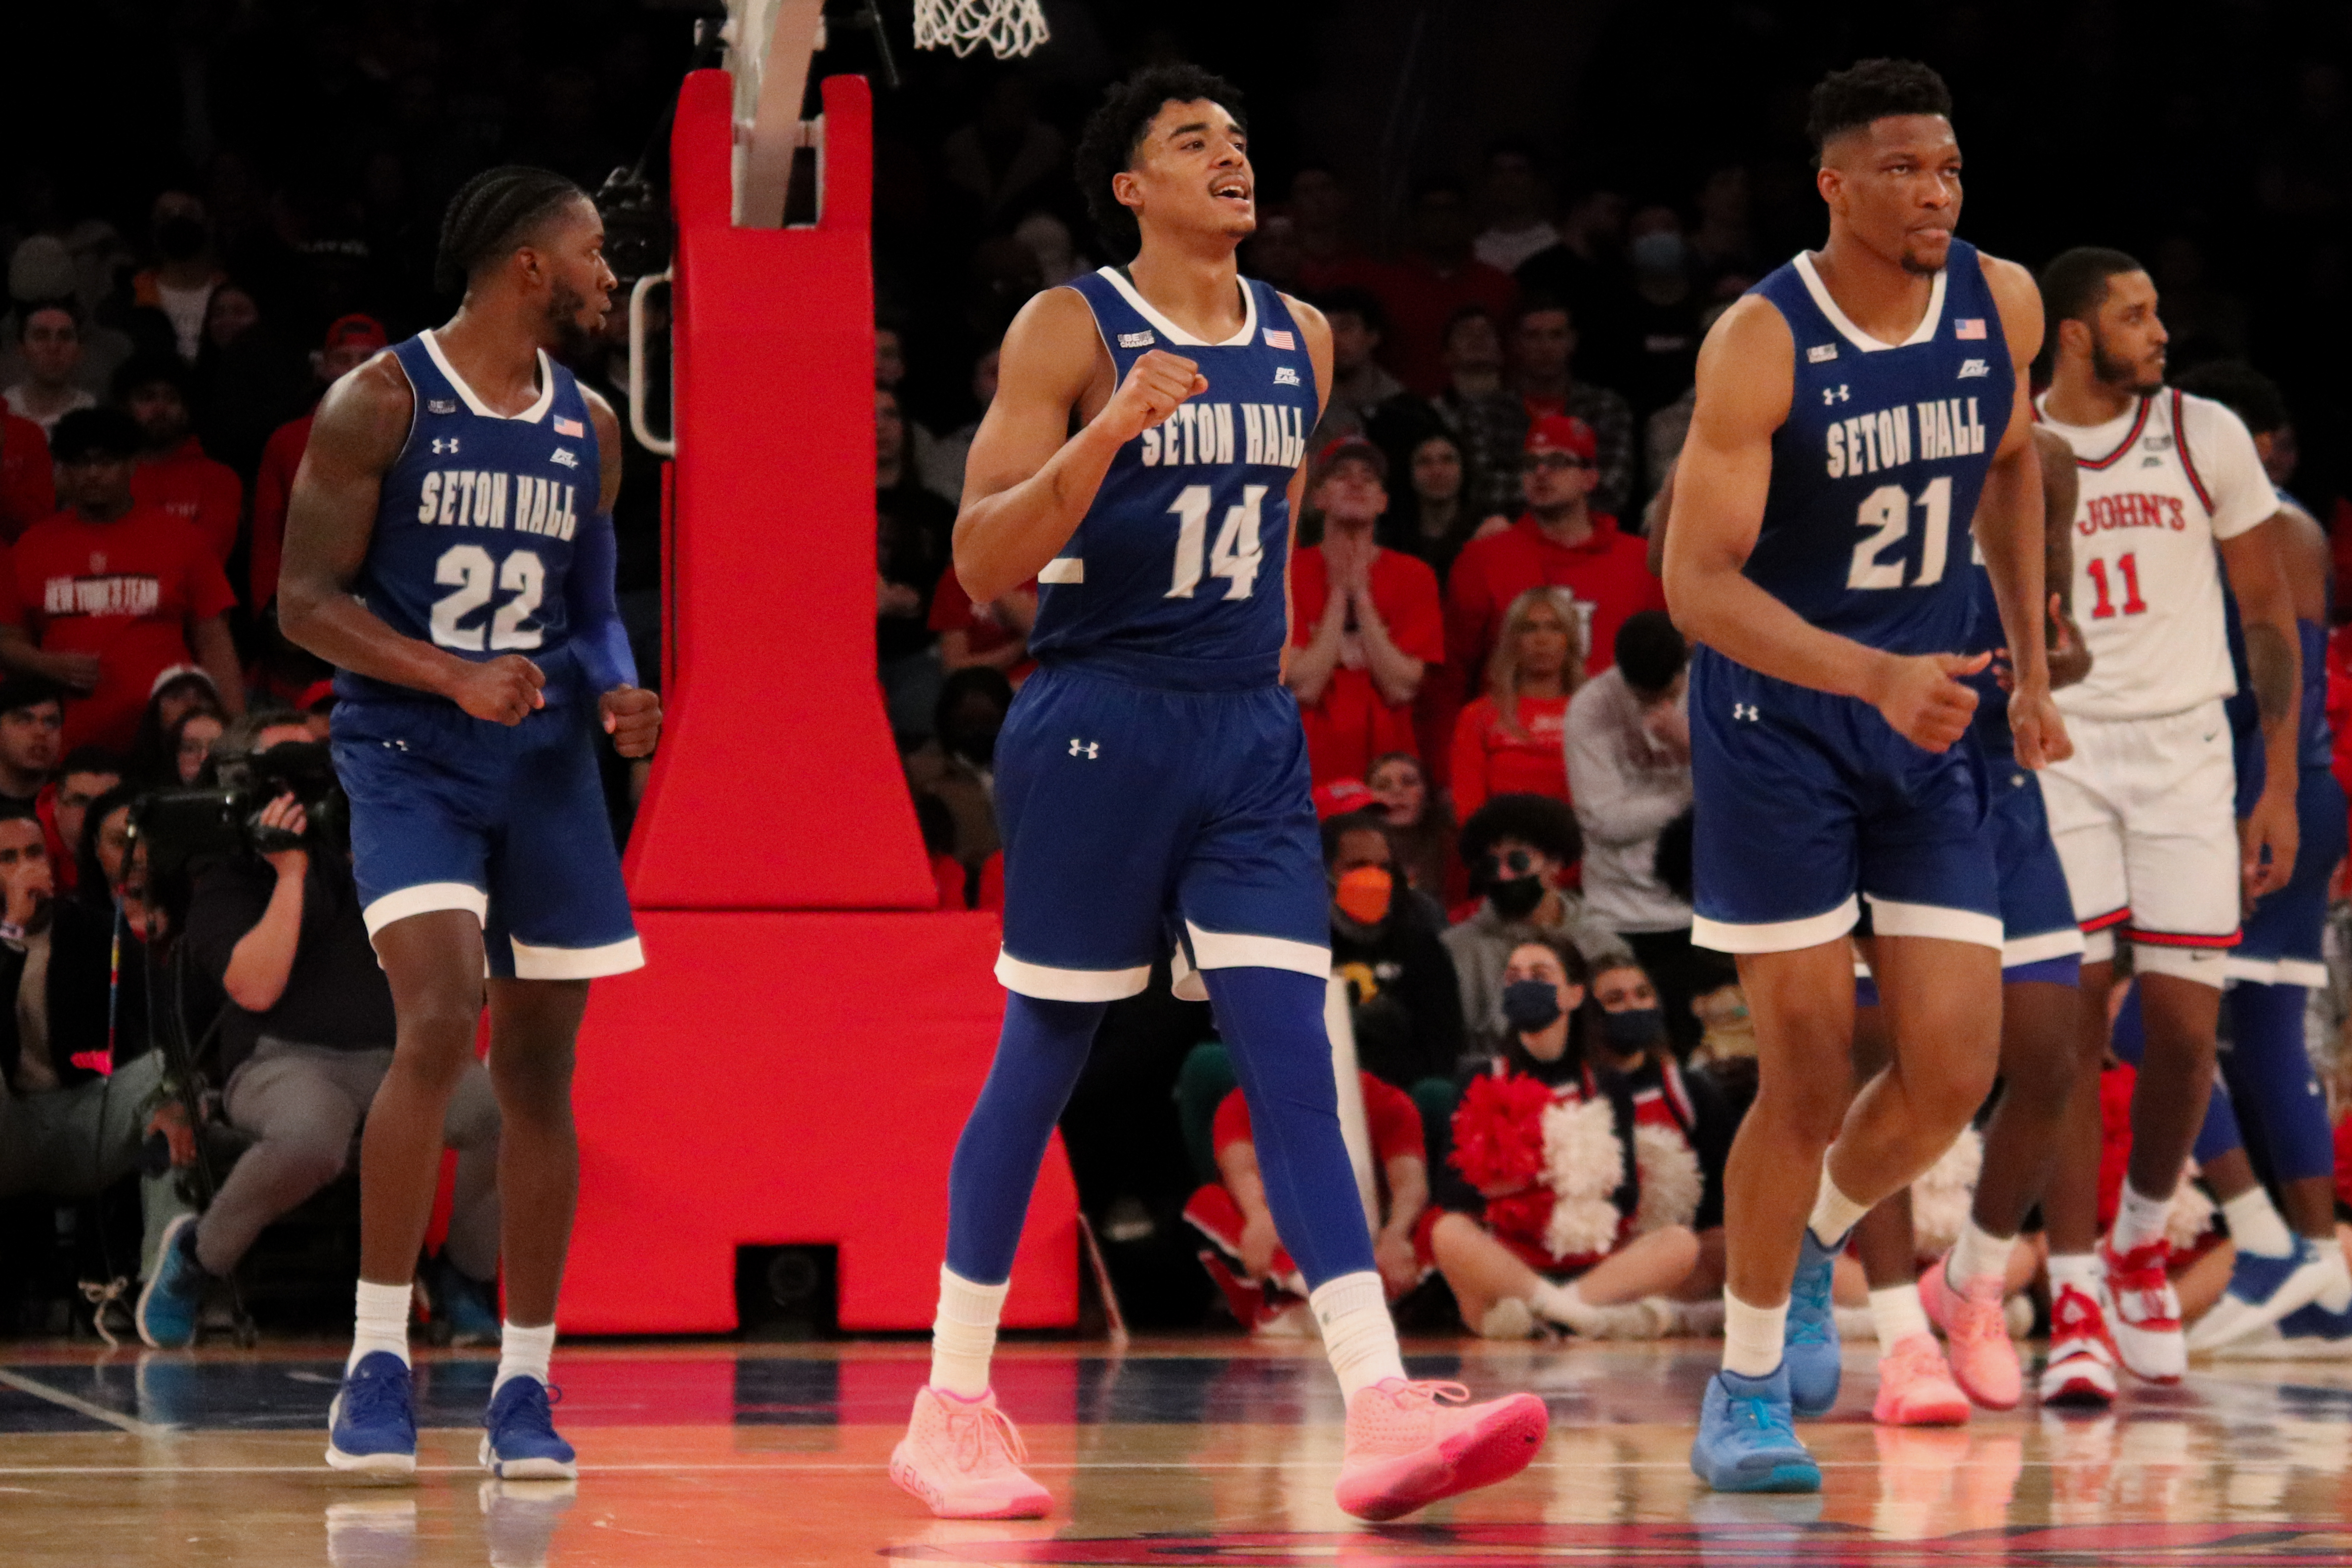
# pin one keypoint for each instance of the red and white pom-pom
(1584, 1165)
(1498, 1133)
(1670, 1181)
(2191, 1215)
(1941, 1196)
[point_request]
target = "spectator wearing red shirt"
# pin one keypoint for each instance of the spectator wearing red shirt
(105, 595)
(994, 636)
(352, 341)
(1512, 739)
(28, 488)
(1366, 622)
(173, 474)
(1437, 276)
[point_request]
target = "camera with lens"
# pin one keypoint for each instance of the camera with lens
(181, 828)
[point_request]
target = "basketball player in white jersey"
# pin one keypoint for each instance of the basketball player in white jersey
(2143, 812)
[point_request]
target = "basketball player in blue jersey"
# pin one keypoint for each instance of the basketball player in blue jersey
(449, 549)
(1856, 412)
(1151, 779)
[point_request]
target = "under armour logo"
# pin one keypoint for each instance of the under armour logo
(1744, 711)
(444, 444)
(1838, 393)
(1089, 750)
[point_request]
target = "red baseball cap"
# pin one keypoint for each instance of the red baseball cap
(1357, 447)
(1341, 796)
(1562, 433)
(356, 330)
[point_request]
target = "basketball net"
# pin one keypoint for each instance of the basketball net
(1009, 27)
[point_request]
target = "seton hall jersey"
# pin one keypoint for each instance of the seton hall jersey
(1876, 470)
(473, 528)
(1175, 576)
(2160, 484)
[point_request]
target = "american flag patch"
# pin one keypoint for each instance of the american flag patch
(1968, 327)
(1281, 340)
(571, 428)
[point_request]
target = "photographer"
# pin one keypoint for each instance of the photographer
(306, 1038)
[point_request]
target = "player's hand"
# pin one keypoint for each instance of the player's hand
(1155, 385)
(1921, 696)
(1258, 1245)
(286, 812)
(2037, 729)
(31, 886)
(632, 716)
(79, 671)
(1392, 1255)
(504, 691)
(2270, 826)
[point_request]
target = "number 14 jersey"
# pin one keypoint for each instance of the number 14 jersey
(1175, 577)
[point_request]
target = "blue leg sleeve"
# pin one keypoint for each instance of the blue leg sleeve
(2269, 1070)
(2128, 1038)
(2220, 1135)
(1271, 1020)
(1038, 1059)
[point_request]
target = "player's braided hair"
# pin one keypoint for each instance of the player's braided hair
(491, 215)
(1872, 89)
(1106, 146)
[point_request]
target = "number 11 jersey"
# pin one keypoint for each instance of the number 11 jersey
(1175, 577)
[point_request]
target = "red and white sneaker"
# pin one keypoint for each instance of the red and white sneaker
(1915, 1388)
(2081, 1370)
(2147, 1322)
(1983, 1356)
(963, 1459)
(1411, 1444)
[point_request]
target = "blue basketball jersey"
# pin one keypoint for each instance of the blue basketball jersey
(474, 533)
(1877, 471)
(1175, 578)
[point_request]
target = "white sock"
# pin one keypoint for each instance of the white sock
(1563, 1304)
(963, 1334)
(2079, 1269)
(1979, 1255)
(2255, 1224)
(1358, 1333)
(1898, 1314)
(1752, 1336)
(523, 1353)
(1834, 1214)
(381, 1323)
(2336, 1296)
(2139, 1220)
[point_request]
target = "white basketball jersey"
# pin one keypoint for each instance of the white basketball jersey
(2159, 485)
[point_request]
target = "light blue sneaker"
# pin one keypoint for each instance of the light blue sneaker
(175, 1296)
(1811, 1349)
(372, 1422)
(521, 1444)
(2263, 1290)
(1746, 1442)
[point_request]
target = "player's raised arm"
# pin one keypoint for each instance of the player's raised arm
(362, 426)
(1746, 372)
(2010, 530)
(1028, 481)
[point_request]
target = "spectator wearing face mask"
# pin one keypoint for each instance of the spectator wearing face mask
(1519, 847)
(1660, 327)
(958, 765)
(1404, 1004)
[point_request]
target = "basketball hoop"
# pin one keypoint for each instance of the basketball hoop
(1009, 27)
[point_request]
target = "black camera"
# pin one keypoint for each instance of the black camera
(180, 827)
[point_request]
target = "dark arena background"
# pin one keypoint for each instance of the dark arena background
(1519, 218)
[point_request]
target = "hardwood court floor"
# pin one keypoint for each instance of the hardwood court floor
(1177, 1452)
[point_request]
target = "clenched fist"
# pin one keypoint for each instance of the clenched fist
(504, 691)
(1155, 385)
(1922, 698)
(632, 716)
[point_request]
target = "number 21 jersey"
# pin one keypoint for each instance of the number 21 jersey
(1175, 576)
(474, 523)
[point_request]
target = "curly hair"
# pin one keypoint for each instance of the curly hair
(1106, 147)
(1534, 819)
(1872, 89)
(491, 214)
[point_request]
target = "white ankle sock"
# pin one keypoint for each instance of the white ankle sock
(2139, 1220)
(1834, 1214)
(2080, 1269)
(2336, 1294)
(963, 1334)
(1898, 1314)
(523, 1353)
(1979, 1255)
(1752, 1336)
(2255, 1224)
(381, 1323)
(1359, 1337)
(1563, 1304)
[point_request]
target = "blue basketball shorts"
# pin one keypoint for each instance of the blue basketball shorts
(1806, 803)
(450, 812)
(2280, 946)
(1136, 818)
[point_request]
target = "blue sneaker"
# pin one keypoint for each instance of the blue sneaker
(1812, 1351)
(372, 1422)
(1744, 1441)
(2263, 1290)
(521, 1444)
(466, 1305)
(2307, 1333)
(175, 1295)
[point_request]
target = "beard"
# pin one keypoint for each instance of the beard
(573, 342)
(2112, 371)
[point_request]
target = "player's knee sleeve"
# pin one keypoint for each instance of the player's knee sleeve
(2269, 1071)
(1038, 1059)
(1272, 1023)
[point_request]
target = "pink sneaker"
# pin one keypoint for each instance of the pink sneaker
(1410, 1444)
(963, 1459)
(1983, 1356)
(1914, 1388)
